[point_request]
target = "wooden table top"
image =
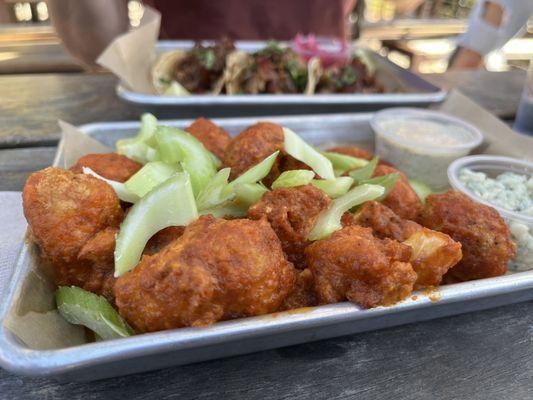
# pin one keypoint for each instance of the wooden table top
(481, 355)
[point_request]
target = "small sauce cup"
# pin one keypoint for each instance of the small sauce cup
(423, 143)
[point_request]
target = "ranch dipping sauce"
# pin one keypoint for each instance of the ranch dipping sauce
(423, 143)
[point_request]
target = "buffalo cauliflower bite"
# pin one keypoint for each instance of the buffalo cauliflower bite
(483, 234)
(256, 143)
(217, 270)
(292, 213)
(402, 199)
(434, 253)
(214, 138)
(354, 265)
(72, 219)
(109, 165)
(303, 294)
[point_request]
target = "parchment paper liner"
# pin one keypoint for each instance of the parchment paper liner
(32, 317)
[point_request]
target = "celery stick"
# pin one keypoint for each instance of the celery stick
(175, 146)
(211, 194)
(387, 181)
(334, 187)
(297, 177)
(229, 209)
(247, 194)
(176, 89)
(120, 189)
(343, 162)
(253, 175)
(139, 148)
(366, 172)
(302, 151)
(149, 176)
(329, 220)
(81, 307)
(169, 204)
(421, 189)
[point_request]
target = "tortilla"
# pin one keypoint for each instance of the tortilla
(162, 70)
(314, 72)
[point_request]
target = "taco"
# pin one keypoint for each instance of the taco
(272, 70)
(199, 70)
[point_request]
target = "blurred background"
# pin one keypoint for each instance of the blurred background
(418, 35)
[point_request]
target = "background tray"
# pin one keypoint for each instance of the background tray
(181, 346)
(403, 86)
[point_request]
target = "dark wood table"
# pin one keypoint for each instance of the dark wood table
(481, 355)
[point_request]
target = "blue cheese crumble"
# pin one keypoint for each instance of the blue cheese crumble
(513, 192)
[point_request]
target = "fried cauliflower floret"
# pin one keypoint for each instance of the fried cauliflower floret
(217, 270)
(303, 294)
(383, 221)
(402, 199)
(98, 255)
(163, 238)
(252, 146)
(72, 219)
(214, 138)
(354, 265)
(434, 253)
(292, 213)
(483, 234)
(109, 165)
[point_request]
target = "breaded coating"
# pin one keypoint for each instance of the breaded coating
(292, 213)
(303, 294)
(434, 253)
(214, 138)
(483, 234)
(162, 238)
(252, 146)
(69, 216)
(111, 166)
(217, 270)
(383, 221)
(98, 255)
(354, 265)
(402, 199)
(352, 151)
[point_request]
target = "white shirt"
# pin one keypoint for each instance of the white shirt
(482, 37)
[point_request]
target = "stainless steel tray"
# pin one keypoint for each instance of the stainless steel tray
(404, 88)
(98, 360)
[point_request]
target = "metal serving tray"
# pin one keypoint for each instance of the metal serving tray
(151, 351)
(404, 88)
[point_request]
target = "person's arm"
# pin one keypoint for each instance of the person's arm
(86, 27)
(492, 23)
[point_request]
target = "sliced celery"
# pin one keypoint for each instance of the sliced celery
(120, 189)
(253, 175)
(229, 209)
(176, 89)
(304, 152)
(175, 146)
(151, 175)
(169, 204)
(296, 177)
(387, 181)
(329, 220)
(343, 162)
(139, 148)
(81, 307)
(247, 194)
(421, 189)
(334, 187)
(365, 172)
(211, 194)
